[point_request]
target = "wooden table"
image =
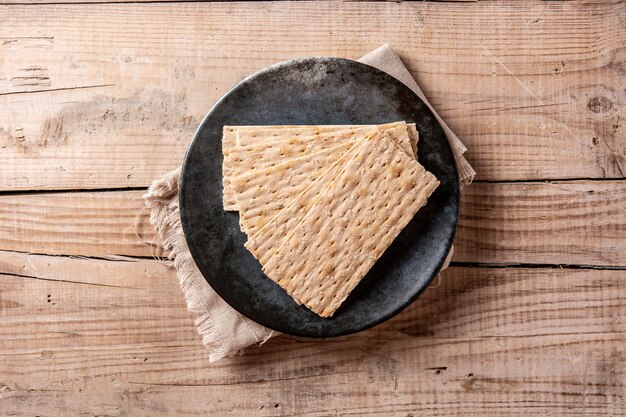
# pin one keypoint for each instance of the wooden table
(97, 100)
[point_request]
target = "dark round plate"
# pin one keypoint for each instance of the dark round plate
(316, 91)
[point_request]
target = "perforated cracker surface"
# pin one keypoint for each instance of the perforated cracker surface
(350, 226)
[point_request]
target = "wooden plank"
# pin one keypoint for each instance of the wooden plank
(79, 223)
(538, 223)
(88, 337)
(106, 97)
(577, 222)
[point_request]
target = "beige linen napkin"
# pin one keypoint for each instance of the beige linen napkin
(223, 330)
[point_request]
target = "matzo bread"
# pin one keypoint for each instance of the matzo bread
(350, 226)
(262, 193)
(256, 135)
(252, 147)
(244, 136)
(241, 159)
(264, 243)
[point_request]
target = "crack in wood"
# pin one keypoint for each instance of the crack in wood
(256, 381)
(9, 93)
(70, 190)
(549, 181)
(535, 265)
(63, 280)
(110, 258)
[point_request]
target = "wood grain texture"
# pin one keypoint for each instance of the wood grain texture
(88, 337)
(574, 222)
(581, 223)
(107, 96)
(104, 97)
(82, 223)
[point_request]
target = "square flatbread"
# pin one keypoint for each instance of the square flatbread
(246, 148)
(262, 193)
(349, 227)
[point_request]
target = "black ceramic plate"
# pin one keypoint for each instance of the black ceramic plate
(316, 91)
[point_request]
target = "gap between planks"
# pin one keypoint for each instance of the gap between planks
(571, 223)
(453, 264)
(117, 189)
